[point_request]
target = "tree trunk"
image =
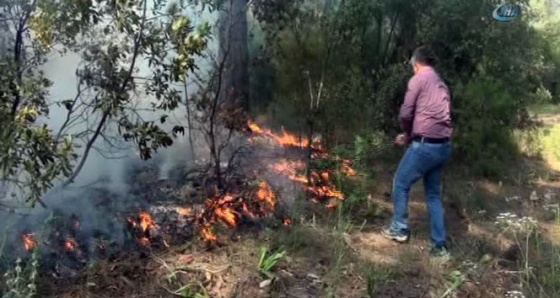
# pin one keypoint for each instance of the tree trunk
(233, 31)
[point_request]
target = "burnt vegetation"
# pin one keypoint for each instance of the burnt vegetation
(159, 148)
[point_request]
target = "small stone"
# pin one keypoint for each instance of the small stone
(486, 258)
(549, 197)
(534, 197)
(265, 283)
(312, 276)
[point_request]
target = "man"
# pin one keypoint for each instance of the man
(425, 119)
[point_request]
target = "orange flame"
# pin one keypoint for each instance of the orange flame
(227, 215)
(145, 220)
(285, 139)
(318, 183)
(265, 194)
(145, 224)
(229, 208)
(347, 168)
(207, 233)
(325, 191)
(247, 211)
(29, 241)
(70, 244)
(184, 211)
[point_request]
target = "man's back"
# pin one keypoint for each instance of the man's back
(428, 105)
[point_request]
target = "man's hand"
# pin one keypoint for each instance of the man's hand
(401, 139)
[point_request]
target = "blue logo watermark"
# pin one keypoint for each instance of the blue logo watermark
(506, 12)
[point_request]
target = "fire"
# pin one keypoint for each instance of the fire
(285, 139)
(146, 229)
(145, 220)
(70, 244)
(325, 191)
(230, 209)
(184, 211)
(265, 194)
(347, 168)
(255, 128)
(227, 215)
(233, 206)
(291, 169)
(207, 233)
(317, 182)
(29, 241)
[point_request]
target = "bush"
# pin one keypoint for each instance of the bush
(485, 115)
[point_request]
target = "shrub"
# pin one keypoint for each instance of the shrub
(485, 115)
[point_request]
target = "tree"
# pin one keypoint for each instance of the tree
(233, 50)
(113, 38)
(367, 73)
(217, 119)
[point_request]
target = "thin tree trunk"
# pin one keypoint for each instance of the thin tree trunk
(189, 122)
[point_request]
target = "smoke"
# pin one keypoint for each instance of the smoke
(103, 187)
(109, 164)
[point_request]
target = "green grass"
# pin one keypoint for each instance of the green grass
(377, 277)
(551, 142)
(545, 109)
(267, 261)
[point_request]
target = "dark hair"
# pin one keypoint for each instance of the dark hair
(424, 55)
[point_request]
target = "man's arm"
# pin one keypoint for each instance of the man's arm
(406, 115)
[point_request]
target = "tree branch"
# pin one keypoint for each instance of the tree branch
(18, 51)
(107, 111)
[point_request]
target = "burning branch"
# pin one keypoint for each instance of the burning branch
(230, 209)
(29, 241)
(317, 182)
(146, 230)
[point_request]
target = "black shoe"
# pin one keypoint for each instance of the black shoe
(440, 252)
(394, 235)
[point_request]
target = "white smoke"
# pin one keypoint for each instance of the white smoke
(100, 170)
(61, 70)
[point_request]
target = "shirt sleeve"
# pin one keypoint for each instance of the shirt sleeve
(406, 115)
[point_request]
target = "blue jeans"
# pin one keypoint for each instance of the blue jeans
(421, 160)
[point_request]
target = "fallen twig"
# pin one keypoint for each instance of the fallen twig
(348, 242)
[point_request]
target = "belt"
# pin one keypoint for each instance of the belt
(430, 140)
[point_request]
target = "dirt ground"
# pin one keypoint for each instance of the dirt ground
(332, 257)
(341, 253)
